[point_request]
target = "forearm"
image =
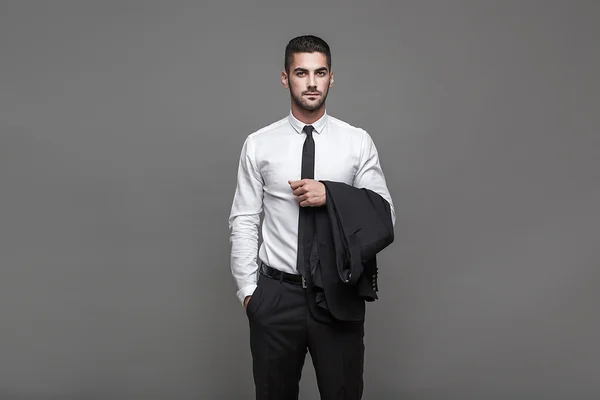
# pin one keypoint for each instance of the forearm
(244, 250)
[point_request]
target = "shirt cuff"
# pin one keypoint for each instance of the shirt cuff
(246, 291)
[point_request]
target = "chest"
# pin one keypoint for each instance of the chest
(336, 159)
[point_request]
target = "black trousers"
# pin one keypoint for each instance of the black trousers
(282, 330)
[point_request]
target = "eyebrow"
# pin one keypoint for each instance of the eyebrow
(305, 70)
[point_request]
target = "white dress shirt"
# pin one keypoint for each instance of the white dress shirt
(269, 158)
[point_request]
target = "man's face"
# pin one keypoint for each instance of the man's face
(308, 80)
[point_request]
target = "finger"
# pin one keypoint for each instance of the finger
(302, 198)
(300, 190)
(306, 203)
(308, 186)
(297, 184)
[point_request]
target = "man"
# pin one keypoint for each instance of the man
(274, 164)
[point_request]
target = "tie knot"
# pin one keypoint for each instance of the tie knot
(308, 129)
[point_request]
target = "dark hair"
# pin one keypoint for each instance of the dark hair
(306, 44)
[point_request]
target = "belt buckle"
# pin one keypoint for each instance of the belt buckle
(303, 282)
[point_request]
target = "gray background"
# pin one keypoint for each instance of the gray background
(120, 130)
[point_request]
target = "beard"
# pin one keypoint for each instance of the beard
(304, 104)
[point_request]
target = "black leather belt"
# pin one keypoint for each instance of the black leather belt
(280, 275)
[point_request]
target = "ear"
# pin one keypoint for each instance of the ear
(284, 79)
(331, 80)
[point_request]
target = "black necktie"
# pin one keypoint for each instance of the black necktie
(305, 226)
(308, 154)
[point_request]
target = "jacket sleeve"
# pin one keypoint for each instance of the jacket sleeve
(362, 225)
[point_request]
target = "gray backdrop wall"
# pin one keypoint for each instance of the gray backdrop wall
(120, 129)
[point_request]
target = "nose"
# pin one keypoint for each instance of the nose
(312, 81)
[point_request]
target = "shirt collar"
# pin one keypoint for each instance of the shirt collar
(318, 125)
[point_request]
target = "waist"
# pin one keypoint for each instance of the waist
(282, 276)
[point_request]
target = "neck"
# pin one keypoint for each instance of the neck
(306, 116)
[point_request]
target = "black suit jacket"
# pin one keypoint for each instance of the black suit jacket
(353, 226)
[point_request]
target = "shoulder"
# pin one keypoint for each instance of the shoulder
(268, 130)
(346, 128)
(255, 138)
